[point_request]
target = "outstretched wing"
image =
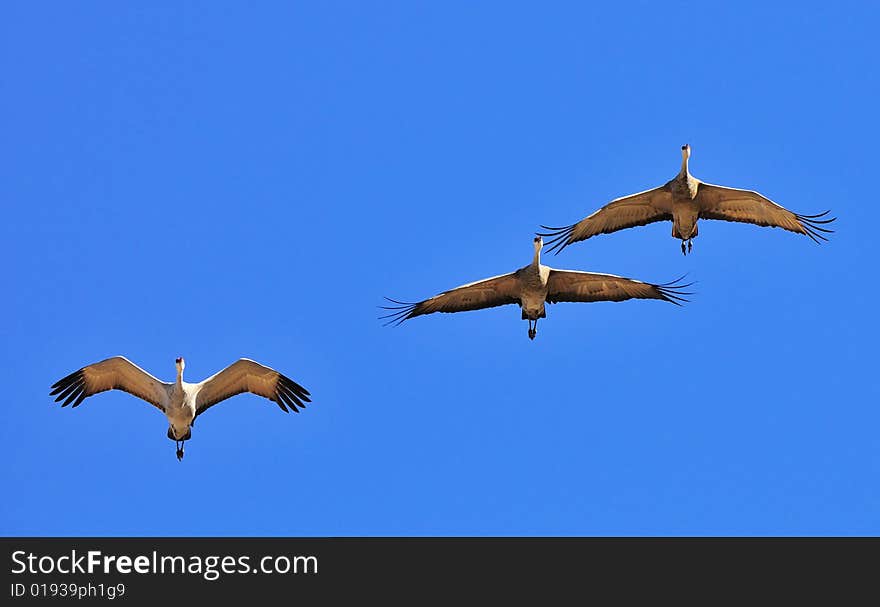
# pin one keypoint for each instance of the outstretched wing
(568, 285)
(627, 212)
(117, 373)
(245, 375)
(732, 204)
(488, 293)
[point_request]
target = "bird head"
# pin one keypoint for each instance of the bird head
(180, 363)
(539, 242)
(686, 151)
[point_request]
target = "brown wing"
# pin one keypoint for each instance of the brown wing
(568, 285)
(731, 204)
(245, 375)
(117, 373)
(488, 293)
(627, 212)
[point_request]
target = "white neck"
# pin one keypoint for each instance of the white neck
(685, 154)
(537, 260)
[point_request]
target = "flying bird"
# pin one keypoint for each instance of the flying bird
(684, 200)
(181, 402)
(531, 287)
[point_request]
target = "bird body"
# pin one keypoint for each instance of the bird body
(533, 280)
(532, 287)
(685, 209)
(181, 409)
(181, 401)
(684, 200)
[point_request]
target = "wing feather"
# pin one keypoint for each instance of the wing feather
(627, 212)
(116, 373)
(747, 206)
(488, 293)
(245, 375)
(568, 285)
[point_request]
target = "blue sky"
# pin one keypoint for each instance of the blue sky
(217, 180)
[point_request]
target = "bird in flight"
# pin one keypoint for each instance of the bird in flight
(531, 287)
(181, 402)
(684, 200)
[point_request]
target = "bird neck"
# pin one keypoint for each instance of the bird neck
(179, 382)
(684, 165)
(537, 259)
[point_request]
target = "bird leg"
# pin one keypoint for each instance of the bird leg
(683, 250)
(690, 245)
(533, 330)
(179, 445)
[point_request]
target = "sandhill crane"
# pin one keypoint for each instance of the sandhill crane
(684, 200)
(181, 402)
(531, 287)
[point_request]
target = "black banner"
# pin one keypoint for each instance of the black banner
(225, 569)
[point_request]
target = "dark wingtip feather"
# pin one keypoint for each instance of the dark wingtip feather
(70, 389)
(559, 237)
(673, 291)
(67, 391)
(398, 313)
(77, 394)
(65, 381)
(817, 217)
(814, 225)
(280, 402)
(291, 394)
